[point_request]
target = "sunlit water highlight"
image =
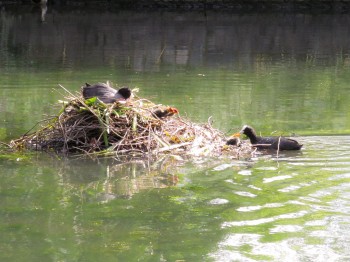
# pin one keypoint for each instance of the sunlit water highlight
(313, 213)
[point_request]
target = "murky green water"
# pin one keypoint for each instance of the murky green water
(288, 74)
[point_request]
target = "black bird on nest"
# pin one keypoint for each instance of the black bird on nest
(105, 93)
(276, 143)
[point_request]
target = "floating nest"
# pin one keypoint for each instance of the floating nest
(131, 128)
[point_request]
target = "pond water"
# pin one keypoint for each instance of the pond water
(284, 74)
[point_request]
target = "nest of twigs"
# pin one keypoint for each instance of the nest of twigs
(124, 129)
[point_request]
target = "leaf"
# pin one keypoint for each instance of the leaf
(91, 101)
(116, 113)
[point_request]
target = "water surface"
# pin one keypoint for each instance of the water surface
(285, 74)
(259, 209)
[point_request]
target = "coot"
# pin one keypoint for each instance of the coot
(161, 113)
(277, 143)
(233, 141)
(105, 93)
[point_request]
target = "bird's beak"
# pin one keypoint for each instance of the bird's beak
(236, 134)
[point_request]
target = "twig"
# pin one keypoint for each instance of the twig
(4, 144)
(161, 54)
(174, 147)
(278, 146)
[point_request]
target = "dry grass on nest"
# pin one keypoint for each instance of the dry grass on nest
(124, 129)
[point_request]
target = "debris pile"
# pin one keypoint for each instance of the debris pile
(135, 127)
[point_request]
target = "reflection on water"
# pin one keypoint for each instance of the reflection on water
(118, 179)
(158, 41)
(285, 73)
(263, 208)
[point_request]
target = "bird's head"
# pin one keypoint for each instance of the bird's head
(172, 110)
(125, 92)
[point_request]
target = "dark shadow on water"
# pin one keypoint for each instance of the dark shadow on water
(261, 6)
(157, 41)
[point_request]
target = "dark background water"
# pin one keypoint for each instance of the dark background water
(286, 73)
(279, 73)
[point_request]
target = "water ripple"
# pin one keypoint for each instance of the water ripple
(299, 204)
(218, 201)
(254, 208)
(246, 194)
(285, 228)
(264, 220)
(275, 178)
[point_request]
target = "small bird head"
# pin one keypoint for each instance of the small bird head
(125, 92)
(233, 141)
(172, 110)
(248, 131)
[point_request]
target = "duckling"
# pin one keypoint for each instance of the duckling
(233, 141)
(277, 143)
(161, 113)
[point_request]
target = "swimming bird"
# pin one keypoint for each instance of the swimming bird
(277, 143)
(105, 93)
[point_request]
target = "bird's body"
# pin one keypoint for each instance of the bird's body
(233, 141)
(276, 143)
(105, 93)
(161, 113)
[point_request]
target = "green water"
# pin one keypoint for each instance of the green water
(285, 74)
